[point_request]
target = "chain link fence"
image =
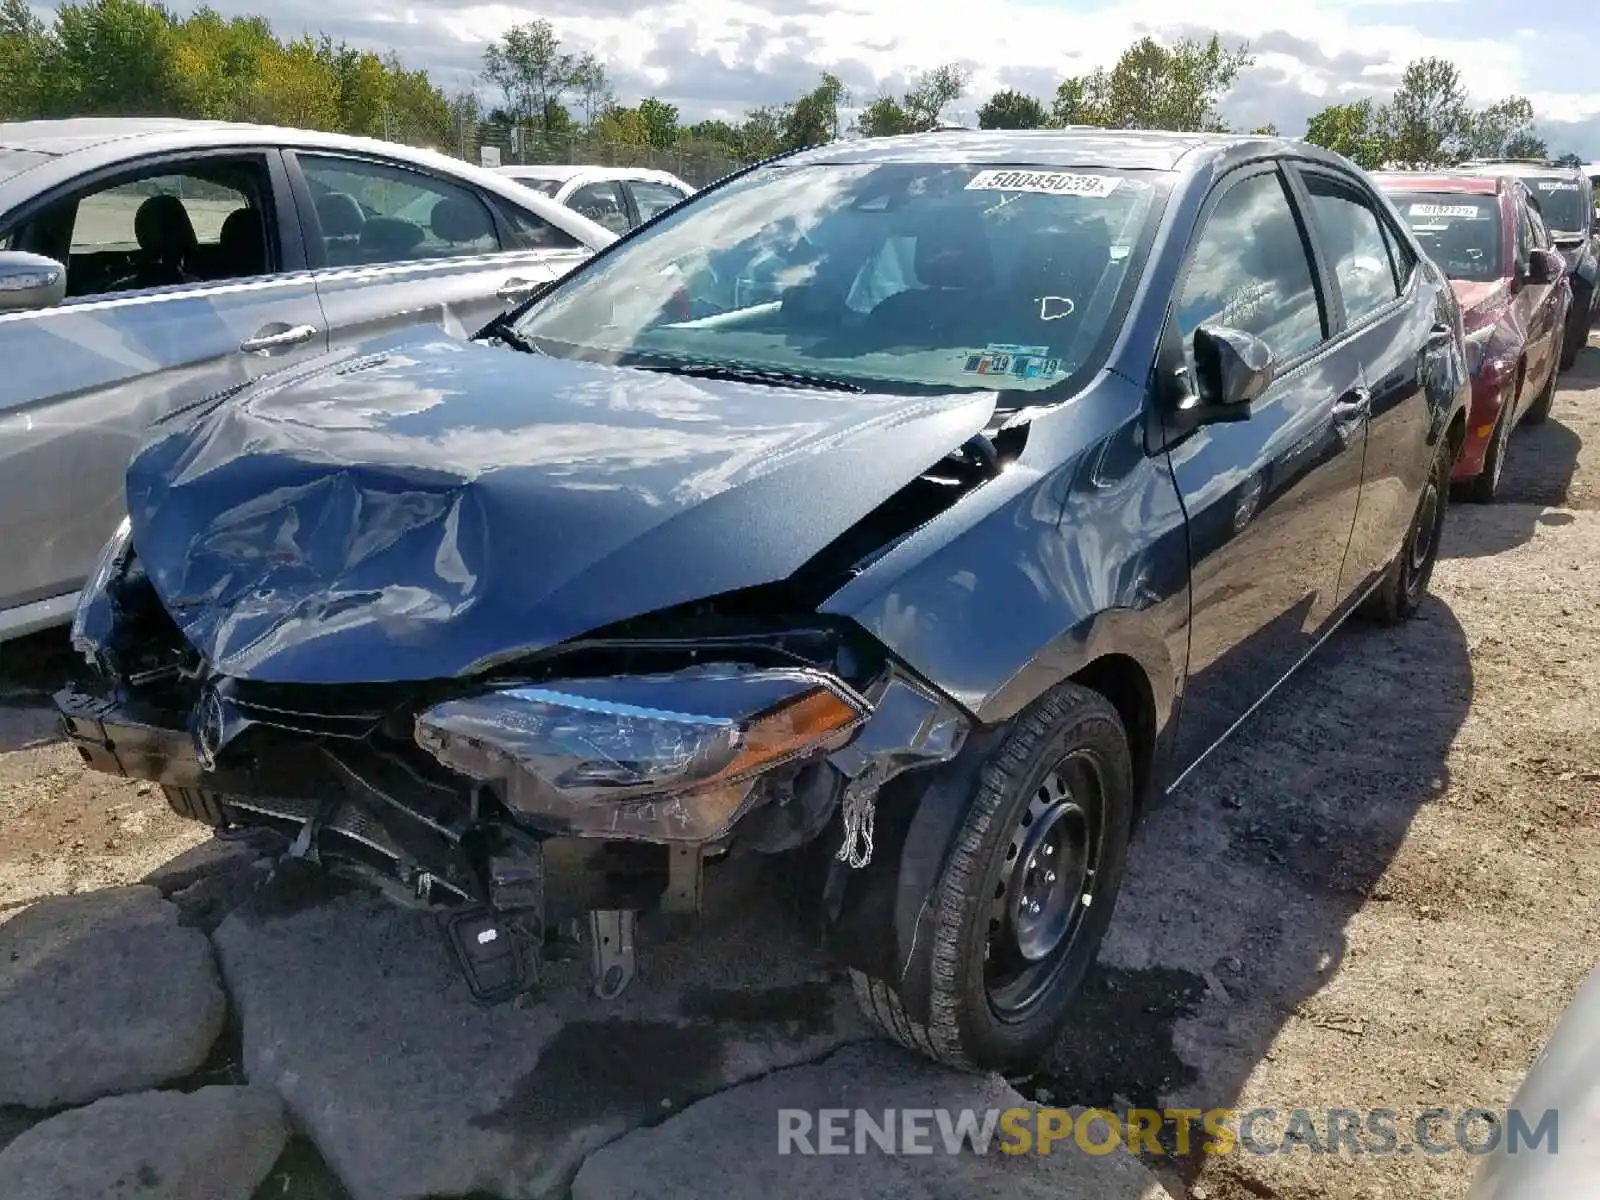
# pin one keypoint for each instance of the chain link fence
(492, 144)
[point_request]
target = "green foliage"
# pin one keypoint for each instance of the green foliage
(529, 66)
(1505, 130)
(1353, 130)
(1429, 122)
(109, 57)
(1153, 86)
(920, 109)
(1011, 110)
(814, 118)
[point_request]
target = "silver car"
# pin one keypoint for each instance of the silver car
(146, 264)
(620, 198)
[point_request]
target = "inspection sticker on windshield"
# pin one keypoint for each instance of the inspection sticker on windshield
(1555, 185)
(1445, 210)
(1052, 183)
(1019, 362)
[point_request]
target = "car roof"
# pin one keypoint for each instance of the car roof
(566, 171)
(86, 143)
(1521, 168)
(1421, 181)
(1082, 146)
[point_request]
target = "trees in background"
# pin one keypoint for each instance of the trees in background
(136, 57)
(918, 110)
(1428, 123)
(127, 57)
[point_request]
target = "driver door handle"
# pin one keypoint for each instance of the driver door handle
(1440, 333)
(1353, 404)
(266, 343)
(516, 288)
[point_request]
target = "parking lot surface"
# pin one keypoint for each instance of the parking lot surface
(1381, 894)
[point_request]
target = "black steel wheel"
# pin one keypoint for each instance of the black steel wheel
(1405, 585)
(1027, 894)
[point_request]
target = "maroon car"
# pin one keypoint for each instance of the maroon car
(1486, 233)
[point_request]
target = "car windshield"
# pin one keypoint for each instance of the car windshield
(15, 162)
(892, 277)
(1460, 233)
(1565, 204)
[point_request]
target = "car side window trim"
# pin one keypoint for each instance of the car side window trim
(1300, 173)
(286, 237)
(311, 228)
(1219, 190)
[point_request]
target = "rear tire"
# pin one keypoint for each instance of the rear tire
(198, 805)
(1576, 331)
(1405, 584)
(1025, 899)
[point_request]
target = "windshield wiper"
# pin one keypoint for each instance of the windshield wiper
(503, 329)
(736, 373)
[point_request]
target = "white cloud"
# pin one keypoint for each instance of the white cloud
(717, 57)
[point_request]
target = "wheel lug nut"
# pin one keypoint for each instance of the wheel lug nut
(1033, 908)
(1032, 863)
(1049, 849)
(1049, 876)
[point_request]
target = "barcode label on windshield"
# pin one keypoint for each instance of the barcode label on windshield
(1053, 183)
(1555, 185)
(1445, 210)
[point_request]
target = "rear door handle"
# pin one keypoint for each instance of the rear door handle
(1440, 333)
(266, 343)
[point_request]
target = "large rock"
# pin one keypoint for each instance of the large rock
(728, 1146)
(353, 1009)
(102, 993)
(217, 1143)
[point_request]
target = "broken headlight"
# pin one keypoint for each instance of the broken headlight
(673, 757)
(94, 616)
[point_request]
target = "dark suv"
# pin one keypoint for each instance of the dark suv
(1565, 197)
(1050, 455)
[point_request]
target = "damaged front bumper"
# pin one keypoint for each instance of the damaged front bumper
(461, 792)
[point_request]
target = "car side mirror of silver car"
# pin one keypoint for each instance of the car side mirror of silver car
(1231, 368)
(30, 281)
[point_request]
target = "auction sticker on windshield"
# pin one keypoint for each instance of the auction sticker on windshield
(1555, 185)
(1446, 210)
(1053, 183)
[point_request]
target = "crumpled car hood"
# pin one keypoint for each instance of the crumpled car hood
(411, 509)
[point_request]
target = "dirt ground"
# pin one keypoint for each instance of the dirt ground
(1380, 895)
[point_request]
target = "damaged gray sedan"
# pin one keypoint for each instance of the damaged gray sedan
(918, 506)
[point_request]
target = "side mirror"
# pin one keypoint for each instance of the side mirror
(1231, 369)
(1545, 266)
(30, 281)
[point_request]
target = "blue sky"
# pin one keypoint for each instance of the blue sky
(717, 57)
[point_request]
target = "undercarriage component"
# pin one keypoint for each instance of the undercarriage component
(684, 873)
(611, 939)
(496, 957)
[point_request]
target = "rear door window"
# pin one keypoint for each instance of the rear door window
(1351, 235)
(650, 197)
(372, 213)
(602, 203)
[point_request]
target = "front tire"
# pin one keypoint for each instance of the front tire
(1025, 899)
(1405, 584)
(1483, 487)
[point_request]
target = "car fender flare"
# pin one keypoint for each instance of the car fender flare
(880, 919)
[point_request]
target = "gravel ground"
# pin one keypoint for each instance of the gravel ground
(1381, 895)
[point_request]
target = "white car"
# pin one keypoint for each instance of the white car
(617, 197)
